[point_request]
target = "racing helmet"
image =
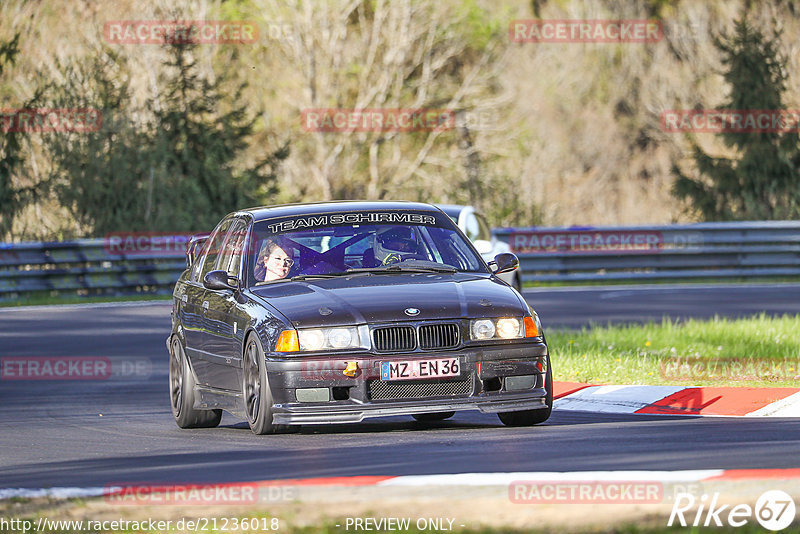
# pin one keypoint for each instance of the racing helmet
(395, 244)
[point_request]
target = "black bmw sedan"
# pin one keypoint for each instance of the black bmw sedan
(336, 312)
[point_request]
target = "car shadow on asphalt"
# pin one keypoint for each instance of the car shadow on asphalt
(470, 421)
(393, 424)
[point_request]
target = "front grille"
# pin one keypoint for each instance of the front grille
(438, 336)
(394, 338)
(416, 389)
(407, 338)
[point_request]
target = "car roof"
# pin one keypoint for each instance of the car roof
(288, 210)
(452, 210)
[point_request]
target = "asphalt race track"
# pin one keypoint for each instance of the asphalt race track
(119, 430)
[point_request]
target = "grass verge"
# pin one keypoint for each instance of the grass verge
(267, 523)
(757, 351)
(665, 281)
(46, 299)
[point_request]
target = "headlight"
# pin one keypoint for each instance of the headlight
(338, 338)
(508, 328)
(482, 329)
(500, 328)
(311, 339)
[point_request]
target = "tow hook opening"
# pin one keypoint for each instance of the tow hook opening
(492, 384)
(341, 393)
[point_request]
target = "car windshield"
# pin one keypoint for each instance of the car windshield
(346, 248)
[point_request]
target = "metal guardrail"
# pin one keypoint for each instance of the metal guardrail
(84, 266)
(650, 253)
(575, 254)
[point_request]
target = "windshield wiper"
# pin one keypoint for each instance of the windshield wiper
(389, 269)
(400, 269)
(267, 282)
(326, 275)
(308, 276)
(301, 277)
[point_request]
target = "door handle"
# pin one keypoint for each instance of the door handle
(205, 305)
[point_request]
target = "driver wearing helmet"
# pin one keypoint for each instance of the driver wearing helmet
(396, 244)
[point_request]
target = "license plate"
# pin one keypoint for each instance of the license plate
(416, 369)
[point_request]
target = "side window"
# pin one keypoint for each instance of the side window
(232, 251)
(198, 262)
(451, 248)
(471, 227)
(213, 247)
(484, 232)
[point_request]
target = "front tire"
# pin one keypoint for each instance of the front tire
(256, 391)
(181, 390)
(532, 417)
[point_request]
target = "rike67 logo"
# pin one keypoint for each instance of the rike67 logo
(774, 510)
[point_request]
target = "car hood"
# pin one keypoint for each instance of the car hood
(384, 298)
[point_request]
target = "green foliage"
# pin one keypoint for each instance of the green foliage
(175, 169)
(9, 150)
(481, 27)
(12, 198)
(196, 144)
(98, 175)
(657, 8)
(507, 205)
(763, 182)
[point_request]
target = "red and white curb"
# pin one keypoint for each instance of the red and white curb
(458, 479)
(678, 400)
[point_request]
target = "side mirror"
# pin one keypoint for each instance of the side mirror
(504, 262)
(219, 280)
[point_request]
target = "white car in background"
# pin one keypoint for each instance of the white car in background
(475, 227)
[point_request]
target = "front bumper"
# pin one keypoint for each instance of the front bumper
(483, 384)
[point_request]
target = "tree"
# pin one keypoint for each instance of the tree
(172, 167)
(390, 55)
(99, 175)
(13, 198)
(763, 180)
(200, 130)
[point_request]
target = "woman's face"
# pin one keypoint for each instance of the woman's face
(277, 264)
